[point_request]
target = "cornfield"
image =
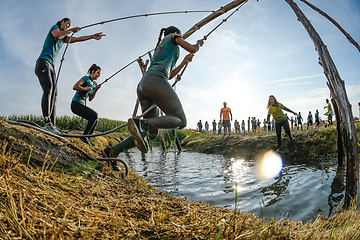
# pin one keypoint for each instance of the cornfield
(66, 123)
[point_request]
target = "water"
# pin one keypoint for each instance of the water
(300, 192)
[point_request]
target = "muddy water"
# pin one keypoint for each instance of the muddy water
(299, 192)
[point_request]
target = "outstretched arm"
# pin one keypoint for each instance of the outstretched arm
(288, 110)
(96, 36)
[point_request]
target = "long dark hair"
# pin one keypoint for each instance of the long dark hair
(269, 104)
(64, 19)
(93, 67)
(167, 31)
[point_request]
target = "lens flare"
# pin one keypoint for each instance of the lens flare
(269, 166)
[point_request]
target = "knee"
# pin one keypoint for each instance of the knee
(182, 123)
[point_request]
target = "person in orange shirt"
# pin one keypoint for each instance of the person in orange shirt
(225, 114)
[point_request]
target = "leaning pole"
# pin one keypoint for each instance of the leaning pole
(338, 93)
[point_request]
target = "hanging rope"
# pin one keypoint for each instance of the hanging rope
(141, 15)
(100, 23)
(178, 78)
(204, 38)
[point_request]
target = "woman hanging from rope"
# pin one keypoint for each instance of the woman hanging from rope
(86, 87)
(275, 109)
(44, 68)
(155, 88)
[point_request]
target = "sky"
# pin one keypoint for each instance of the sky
(261, 50)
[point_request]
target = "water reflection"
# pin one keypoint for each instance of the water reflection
(337, 188)
(298, 192)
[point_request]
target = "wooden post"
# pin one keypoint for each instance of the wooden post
(340, 144)
(338, 92)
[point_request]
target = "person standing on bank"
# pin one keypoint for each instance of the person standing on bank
(45, 69)
(275, 109)
(214, 126)
(153, 88)
(86, 87)
(199, 125)
(224, 115)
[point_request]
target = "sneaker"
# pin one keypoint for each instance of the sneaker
(92, 144)
(138, 132)
(112, 163)
(106, 153)
(85, 140)
(51, 128)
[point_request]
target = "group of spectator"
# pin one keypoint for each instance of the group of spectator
(254, 125)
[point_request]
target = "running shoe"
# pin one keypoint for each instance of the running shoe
(138, 131)
(91, 143)
(85, 140)
(112, 163)
(51, 128)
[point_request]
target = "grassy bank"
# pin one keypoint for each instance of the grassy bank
(47, 204)
(41, 198)
(310, 145)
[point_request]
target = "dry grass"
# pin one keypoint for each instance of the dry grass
(54, 205)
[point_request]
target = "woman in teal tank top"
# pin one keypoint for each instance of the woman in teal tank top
(154, 87)
(85, 88)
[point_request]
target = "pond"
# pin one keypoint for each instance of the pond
(299, 192)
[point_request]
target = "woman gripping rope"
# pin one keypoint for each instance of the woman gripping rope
(45, 66)
(85, 88)
(155, 88)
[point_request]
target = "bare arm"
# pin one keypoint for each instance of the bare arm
(188, 47)
(288, 110)
(78, 87)
(92, 96)
(58, 34)
(96, 36)
(187, 58)
(191, 48)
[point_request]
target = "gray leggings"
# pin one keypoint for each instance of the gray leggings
(47, 78)
(156, 89)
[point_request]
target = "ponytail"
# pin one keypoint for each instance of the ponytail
(93, 67)
(159, 39)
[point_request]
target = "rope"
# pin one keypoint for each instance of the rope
(142, 15)
(178, 78)
(223, 21)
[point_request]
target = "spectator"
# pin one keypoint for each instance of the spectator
(199, 125)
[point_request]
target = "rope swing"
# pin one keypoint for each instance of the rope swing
(178, 77)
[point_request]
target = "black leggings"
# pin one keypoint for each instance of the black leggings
(156, 89)
(87, 113)
(47, 78)
(285, 125)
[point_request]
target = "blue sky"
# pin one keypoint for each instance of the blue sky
(261, 50)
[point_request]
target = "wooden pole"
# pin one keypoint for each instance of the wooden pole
(338, 92)
(340, 144)
(212, 16)
(347, 35)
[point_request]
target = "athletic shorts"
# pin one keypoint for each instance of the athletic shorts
(226, 123)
